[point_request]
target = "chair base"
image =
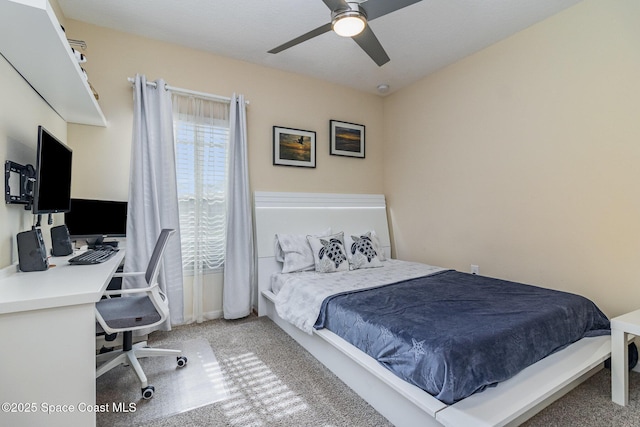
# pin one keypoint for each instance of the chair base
(115, 358)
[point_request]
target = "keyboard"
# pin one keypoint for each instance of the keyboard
(92, 257)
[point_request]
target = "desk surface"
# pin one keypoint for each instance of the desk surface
(59, 286)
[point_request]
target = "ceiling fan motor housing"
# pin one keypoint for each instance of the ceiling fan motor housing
(353, 9)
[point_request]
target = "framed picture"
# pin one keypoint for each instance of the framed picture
(294, 147)
(347, 139)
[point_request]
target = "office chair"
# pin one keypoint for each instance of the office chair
(140, 308)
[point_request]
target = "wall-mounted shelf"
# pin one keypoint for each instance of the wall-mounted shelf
(32, 40)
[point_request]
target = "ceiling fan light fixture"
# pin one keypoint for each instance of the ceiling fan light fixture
(349, 23)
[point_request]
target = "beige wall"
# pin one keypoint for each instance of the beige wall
(102, 155)
(21, 111)
(276, 98)
(524, 158)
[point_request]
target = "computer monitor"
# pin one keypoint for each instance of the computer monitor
(94, 220)
(53, 175)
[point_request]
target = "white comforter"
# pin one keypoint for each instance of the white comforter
(300, 295)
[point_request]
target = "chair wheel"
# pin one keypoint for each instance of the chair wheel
(147, 392)
(182, 361)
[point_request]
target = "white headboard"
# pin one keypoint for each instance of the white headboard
(309, 213)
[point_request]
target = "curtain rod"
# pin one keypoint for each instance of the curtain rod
(188, 92)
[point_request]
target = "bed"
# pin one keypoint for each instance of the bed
(509, 403)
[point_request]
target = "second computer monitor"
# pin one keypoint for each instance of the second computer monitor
(94, 220)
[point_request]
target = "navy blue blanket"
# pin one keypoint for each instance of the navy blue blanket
(453, 334)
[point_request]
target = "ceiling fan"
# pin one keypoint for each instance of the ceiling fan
(350, 19)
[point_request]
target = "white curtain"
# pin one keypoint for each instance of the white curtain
(153, 201)
(201, 129)
(239, 261)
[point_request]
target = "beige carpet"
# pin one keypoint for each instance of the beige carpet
(260, 377)
(177, 390)
(250, 373)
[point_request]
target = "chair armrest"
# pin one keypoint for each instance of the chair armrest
(129, 274)
(129, 291)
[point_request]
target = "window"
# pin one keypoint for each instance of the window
(201, 129)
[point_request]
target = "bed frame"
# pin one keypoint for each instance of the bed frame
(510, 403)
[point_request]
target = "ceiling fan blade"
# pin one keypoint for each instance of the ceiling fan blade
(378, 8)
(370, 44)
(311, 34)
(336, 4)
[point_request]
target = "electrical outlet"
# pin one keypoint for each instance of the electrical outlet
(475, 269)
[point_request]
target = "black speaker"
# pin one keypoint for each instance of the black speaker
(32, 254)
(60, 241)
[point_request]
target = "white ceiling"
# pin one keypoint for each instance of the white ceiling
(419, 39)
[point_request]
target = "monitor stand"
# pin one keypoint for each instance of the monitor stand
(99, 241)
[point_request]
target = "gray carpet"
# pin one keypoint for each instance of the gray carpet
(250, 373)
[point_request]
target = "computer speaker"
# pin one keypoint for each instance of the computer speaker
(60, 241)
(32, 255)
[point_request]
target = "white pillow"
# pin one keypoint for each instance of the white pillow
(362, 253)
(375, 240)
(329, 253)
(294, 251)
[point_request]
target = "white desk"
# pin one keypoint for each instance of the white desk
(47, 343)
(621, 326)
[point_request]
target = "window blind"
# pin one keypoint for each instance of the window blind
(201, 142)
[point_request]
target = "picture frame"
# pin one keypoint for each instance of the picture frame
(294, 147)
(347, 139)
